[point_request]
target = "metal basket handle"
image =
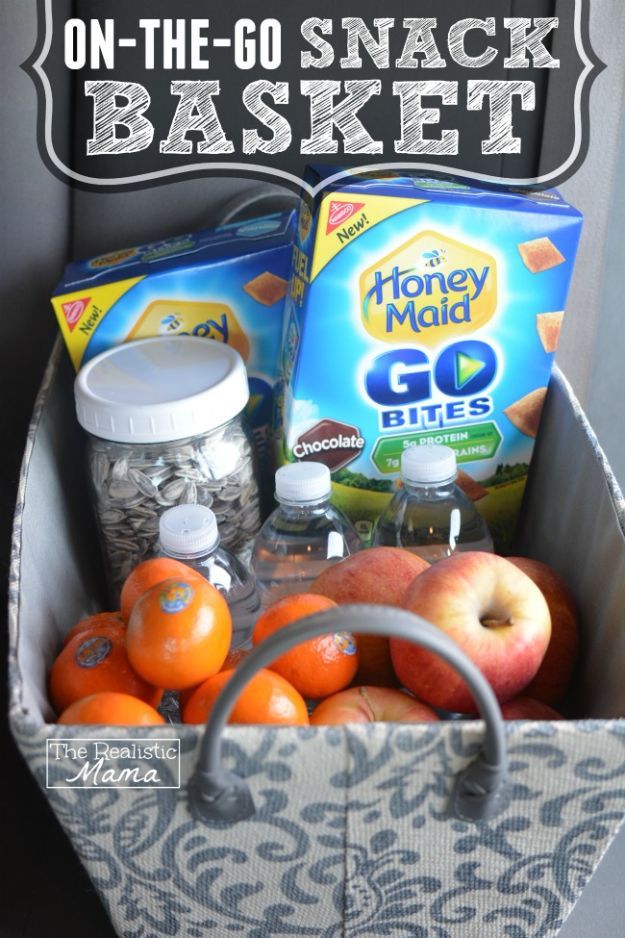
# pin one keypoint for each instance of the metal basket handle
(480, 790)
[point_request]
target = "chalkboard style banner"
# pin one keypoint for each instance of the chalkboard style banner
(133, 94)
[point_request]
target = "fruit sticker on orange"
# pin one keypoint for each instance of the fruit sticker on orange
(420, 312)
(93, 651)
(345, 643)
(176, 598)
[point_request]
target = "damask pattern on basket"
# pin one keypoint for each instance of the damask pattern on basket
(351, 836)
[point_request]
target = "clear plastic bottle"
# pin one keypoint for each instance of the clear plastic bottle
(430, 515)
(303, 536)
(189, 533)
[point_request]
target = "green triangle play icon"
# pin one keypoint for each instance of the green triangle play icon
(466, 369)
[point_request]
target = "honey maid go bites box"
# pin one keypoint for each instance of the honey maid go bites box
(423, 310)
(227, 284)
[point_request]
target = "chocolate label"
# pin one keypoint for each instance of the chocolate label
(330, 442)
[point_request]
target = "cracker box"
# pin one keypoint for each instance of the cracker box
(227, 284)
(423, 310)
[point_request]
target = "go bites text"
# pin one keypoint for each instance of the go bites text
(405, 60)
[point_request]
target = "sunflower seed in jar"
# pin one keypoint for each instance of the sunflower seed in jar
(144, 484)
(229, 493)
(245, 497)
(121, 490)
(213, 487)
(189, 494)
(143, 511)
(111, 516)
(124, 543)
(119, 470)
(190, 474)
(100, 469)
(251, 523)
(228, 533)
(116, 555)
(251, 515)
(180, 469)
(173, 490)
(252, 511)
(157, 474)
(136, 523)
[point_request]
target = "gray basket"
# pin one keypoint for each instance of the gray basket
(356, 831)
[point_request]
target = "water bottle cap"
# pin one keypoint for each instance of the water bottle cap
(300, 482)
(425, 465)
(188, 530)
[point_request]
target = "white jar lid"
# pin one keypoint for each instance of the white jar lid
(425, 465)
(161, 389)
(301, 482)
(188, 530)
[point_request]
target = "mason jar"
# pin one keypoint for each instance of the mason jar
(165, 426)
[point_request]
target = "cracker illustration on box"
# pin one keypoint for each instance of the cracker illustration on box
(470, 487)
(540, 255)
(549, 326)
(267, 288)
(418, 318)
(525, 414)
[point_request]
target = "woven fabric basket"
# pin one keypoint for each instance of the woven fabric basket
(352, 831)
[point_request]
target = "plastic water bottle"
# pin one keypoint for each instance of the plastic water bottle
(189, 533)
(303, 536)
(430, 515)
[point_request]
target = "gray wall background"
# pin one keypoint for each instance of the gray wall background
(590, 331)
(605, 397)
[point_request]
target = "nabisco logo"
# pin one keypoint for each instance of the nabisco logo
(74, 310)
(340, 212)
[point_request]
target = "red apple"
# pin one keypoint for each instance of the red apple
(493, 611)
(554, 675)
(370, 705)
(380, 575)
(527, 708)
